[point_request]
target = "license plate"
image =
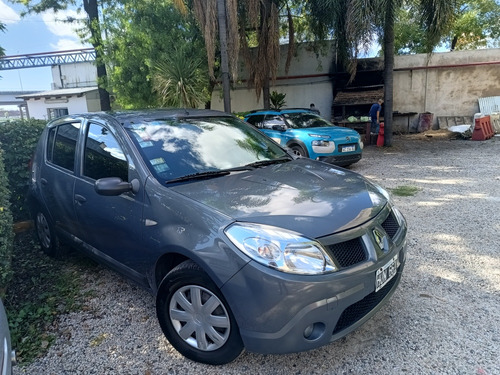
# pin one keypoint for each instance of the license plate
(348, 148)
(386, 273)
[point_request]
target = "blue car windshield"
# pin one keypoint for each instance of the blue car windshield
(301, 120)
(174, 148)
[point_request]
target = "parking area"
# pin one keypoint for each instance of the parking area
(443, 319)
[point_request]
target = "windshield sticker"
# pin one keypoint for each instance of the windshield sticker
(159, 165)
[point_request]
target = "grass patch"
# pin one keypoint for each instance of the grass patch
(41, 289)
(405, 191)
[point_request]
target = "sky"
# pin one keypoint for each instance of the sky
(33, 34)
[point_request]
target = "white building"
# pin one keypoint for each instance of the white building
(74, 90)
(47, 105)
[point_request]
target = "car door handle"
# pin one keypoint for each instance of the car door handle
(79, 199)
(43, 181)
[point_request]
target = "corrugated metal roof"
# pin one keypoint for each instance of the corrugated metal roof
(489, 105)
(59, 93)
(358, 97)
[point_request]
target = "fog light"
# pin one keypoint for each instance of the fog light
(314, 331)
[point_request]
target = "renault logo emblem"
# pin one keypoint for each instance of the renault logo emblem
(380, 238)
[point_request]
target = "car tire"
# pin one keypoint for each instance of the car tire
(298, 150)
(206, 333)
(46, 235)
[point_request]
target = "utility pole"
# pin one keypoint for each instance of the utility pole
(226, 88)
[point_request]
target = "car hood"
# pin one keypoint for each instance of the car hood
(313, 198)
(333, 132)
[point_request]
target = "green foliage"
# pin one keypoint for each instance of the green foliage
(474, 25)
(277, 100)
(6, 234)
(405, 191)
(141, 35)
(180, 81)
(18, 139)
(41, 289)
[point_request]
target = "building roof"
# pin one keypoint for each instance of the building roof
(79, 91)
(359, 96)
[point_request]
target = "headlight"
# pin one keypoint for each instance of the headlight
(281, 249)
(321, 143)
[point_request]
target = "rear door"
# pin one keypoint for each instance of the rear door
(58, 175)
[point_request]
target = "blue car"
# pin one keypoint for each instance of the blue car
(309, 135)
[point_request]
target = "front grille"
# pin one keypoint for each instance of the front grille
(348, 253)
(390, 225)
(358, 310)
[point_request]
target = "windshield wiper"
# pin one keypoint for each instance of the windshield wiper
(263, 163)
(199, 175)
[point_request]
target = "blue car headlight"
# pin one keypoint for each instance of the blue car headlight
(280, 249)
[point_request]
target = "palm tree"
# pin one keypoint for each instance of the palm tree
(180, 81)
(233, 23)
(356, 23)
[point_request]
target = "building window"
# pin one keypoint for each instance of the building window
(56, 112)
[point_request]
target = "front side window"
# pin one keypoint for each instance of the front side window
(61, 145)
(104, 156)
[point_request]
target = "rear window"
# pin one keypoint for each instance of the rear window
(61, 145)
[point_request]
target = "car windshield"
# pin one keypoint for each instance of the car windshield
(305, 120)
(175, 148)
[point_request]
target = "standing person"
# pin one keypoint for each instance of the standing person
(313, 108)
(375, 116)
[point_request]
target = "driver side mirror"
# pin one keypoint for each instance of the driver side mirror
(113, 186)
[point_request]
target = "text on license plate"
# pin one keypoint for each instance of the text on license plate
(348, 148)
(386, 273)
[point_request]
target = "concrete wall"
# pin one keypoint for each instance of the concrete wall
(445, 84)
(308, 81)
(82, 74)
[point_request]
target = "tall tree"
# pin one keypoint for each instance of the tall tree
(142, 34)
(252, 28)
(93, 24)
(356, 24)
(476, 25)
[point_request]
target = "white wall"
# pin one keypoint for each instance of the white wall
(38, 108)
(83, 74)
(308, 81)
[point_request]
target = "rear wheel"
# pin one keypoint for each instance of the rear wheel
(195, 317)
(46, 234)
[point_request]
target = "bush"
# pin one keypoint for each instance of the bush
(18, 139)
(6, 233)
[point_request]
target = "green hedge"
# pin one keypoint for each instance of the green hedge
(18, 139)
(6, 233)
(17, 143)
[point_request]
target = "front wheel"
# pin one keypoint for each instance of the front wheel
(195, 317)
(298, 150)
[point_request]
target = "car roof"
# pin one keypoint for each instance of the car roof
(278, 111)
(135, 116)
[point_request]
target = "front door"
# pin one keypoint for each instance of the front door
(112, 225)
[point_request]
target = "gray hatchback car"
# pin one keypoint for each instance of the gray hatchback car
(243, 244)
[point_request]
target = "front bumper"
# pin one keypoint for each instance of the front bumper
(341, 160)
(282, 313)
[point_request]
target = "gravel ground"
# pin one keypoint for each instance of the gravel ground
(443, 319)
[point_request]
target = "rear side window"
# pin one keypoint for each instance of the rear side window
(104, 156)
(61, 145)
